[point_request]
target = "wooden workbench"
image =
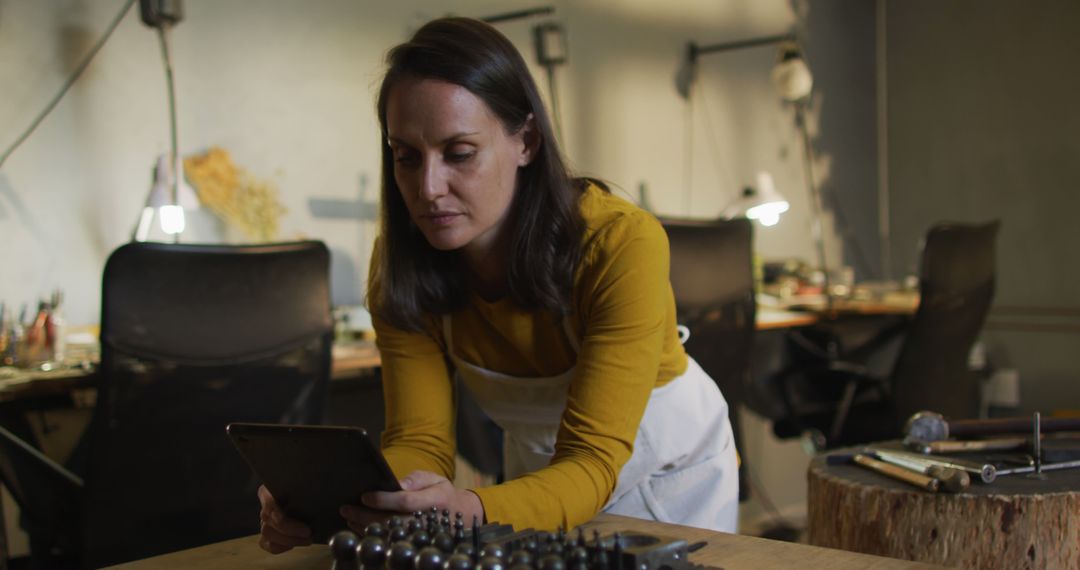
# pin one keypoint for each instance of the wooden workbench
(727, 551)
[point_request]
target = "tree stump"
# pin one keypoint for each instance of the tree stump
(1014, 522)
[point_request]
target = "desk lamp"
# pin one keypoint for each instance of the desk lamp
(763, 202)
(159, 203)
(168, 197)
(793, 82)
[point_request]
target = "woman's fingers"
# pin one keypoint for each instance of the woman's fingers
(418, 480)
(279, 532)
(288, 526)
(272, 514)
(272, 548)
(400, 501)
(273, 537)
(421, 491)
(265, 498)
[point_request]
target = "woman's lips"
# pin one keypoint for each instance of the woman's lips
(441, 218)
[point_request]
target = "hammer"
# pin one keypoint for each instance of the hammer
(952, 480)
(916, 478)
(932, 426)
(953, 446)
(984, 471)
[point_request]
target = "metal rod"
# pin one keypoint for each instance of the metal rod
(816, 203)
(518, 14)
(1046, 467)
(1036, 444)
(696, 50)
(174, 171)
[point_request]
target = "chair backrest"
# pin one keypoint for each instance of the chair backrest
(712, 277)
(194, 337)
(956, 289)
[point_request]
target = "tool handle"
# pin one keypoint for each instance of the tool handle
(899, 473)
(954, 480)
(951, 446)
(1009, 425)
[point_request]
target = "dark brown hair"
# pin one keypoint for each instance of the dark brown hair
(415, 279)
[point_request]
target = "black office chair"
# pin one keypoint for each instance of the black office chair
(192, 337)
(931, 372)
(712, 277)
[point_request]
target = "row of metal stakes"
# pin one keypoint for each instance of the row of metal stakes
(431, 542)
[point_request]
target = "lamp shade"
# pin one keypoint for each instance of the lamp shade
(159, 189)
(763, 203)
(159, 204)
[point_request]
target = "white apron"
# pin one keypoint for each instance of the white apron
(683, 469)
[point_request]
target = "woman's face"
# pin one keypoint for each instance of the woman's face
(454, 163)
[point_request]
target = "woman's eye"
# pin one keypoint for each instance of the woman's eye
(405, 158)
(460, 156)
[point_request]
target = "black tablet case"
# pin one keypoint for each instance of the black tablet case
(313, 470)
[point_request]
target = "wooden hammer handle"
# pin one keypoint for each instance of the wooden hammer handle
(959, 428)
(899, 473)
(953, 446)
(952, 480)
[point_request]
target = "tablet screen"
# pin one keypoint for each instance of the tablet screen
(313, 470)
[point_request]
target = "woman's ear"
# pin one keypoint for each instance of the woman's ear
(530, 137)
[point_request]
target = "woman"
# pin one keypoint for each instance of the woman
(546, 296)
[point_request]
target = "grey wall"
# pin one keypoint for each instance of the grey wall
(983, 123)
(839, 40)
(286, 86)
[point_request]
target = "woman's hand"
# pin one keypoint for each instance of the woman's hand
(279, 533)
(421, 490)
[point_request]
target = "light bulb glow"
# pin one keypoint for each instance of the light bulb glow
(770, 219)
(172, 219)
(769, 213)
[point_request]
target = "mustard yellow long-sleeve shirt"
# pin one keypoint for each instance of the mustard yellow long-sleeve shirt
(624, 317)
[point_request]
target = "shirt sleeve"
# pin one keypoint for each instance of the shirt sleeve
(418, 398)
(624, 300)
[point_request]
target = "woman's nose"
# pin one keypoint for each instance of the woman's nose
(432, 180)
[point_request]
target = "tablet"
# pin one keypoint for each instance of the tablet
(313, 470)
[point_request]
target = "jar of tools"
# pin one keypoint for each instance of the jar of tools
(28, 341)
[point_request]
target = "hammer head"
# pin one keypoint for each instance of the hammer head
(927, 426)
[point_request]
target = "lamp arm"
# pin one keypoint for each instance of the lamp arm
(518, 14)
(696, 50)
